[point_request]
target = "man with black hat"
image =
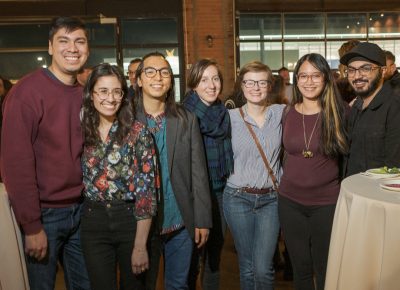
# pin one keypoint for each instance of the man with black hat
(373, 126)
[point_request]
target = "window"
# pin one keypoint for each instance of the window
(346, 26)
(304, 26)
(24, 46)
(142, 36)
(281, 39)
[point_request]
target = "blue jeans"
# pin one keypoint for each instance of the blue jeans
(253, 222)
(62, 227)
(178, 248)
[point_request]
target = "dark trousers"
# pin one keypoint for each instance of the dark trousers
(209, 257)
(307, 233)
(108, 234)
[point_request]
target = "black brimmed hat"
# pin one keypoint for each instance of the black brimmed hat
(365, 51)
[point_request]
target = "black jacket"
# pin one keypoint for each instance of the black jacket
(374, 133)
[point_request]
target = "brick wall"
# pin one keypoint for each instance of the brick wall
(215, 18)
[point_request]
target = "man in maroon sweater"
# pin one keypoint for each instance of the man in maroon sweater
(41, 146)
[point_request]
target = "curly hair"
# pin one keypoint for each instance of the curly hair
(90, 117)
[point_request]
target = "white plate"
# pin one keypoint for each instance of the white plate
(387, 184)
(374, 173)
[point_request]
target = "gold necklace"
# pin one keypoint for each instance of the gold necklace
(307, 153)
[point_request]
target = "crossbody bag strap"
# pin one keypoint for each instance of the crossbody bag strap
(264, 158)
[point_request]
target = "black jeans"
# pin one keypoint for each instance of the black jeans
(307, 233)
(108, 234)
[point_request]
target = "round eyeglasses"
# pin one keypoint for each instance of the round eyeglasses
(151, 72)
(103, 93)
(315, 78)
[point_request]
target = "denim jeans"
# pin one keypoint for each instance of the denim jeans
(62, 227)
(178, 248)
(108, 234)
(253, 222)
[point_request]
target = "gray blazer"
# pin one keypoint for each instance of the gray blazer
(187, 169)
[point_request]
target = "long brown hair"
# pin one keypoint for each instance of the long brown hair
(333, 133)
(90, 116)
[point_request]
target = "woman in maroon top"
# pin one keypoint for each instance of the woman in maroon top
(314, 139)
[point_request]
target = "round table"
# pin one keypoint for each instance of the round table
(13, 275)
(364, 250)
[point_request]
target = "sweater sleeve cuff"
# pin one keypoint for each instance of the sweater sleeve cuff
(32, 228)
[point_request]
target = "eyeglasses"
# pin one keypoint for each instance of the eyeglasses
(315, 78)
(261, 83)
(151, 72)
(363, 70)
(131, 73)
(103, 93)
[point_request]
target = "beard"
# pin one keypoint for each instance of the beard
(364, 93)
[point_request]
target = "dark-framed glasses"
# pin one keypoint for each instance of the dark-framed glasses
(363, 70)
(151, 72)
(261, 83)
(103, 93)
(315, 77)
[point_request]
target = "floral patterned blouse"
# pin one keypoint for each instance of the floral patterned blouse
(123, 172)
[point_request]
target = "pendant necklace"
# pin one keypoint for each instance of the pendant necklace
(307, 153)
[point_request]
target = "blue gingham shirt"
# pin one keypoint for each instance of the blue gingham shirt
(249, 168)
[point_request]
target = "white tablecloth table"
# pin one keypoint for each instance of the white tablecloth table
(13, 275)
(364, 251)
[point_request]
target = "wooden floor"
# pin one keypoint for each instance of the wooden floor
(229, 272)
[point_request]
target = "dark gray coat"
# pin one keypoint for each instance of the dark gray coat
(187, 169)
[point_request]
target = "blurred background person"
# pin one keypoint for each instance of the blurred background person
(204, 86)
(133, 65)
(278, 91)
(345, 89)
(391, 68)
(284, 73)
(5, 86)
(83, 75)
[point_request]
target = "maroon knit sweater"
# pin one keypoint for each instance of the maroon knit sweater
(308, 181)
(41, 146)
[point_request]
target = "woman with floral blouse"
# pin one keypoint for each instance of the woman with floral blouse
(120, 188)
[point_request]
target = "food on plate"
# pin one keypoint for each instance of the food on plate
(385, 170)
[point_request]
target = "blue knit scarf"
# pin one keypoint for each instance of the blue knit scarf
(215, 126)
